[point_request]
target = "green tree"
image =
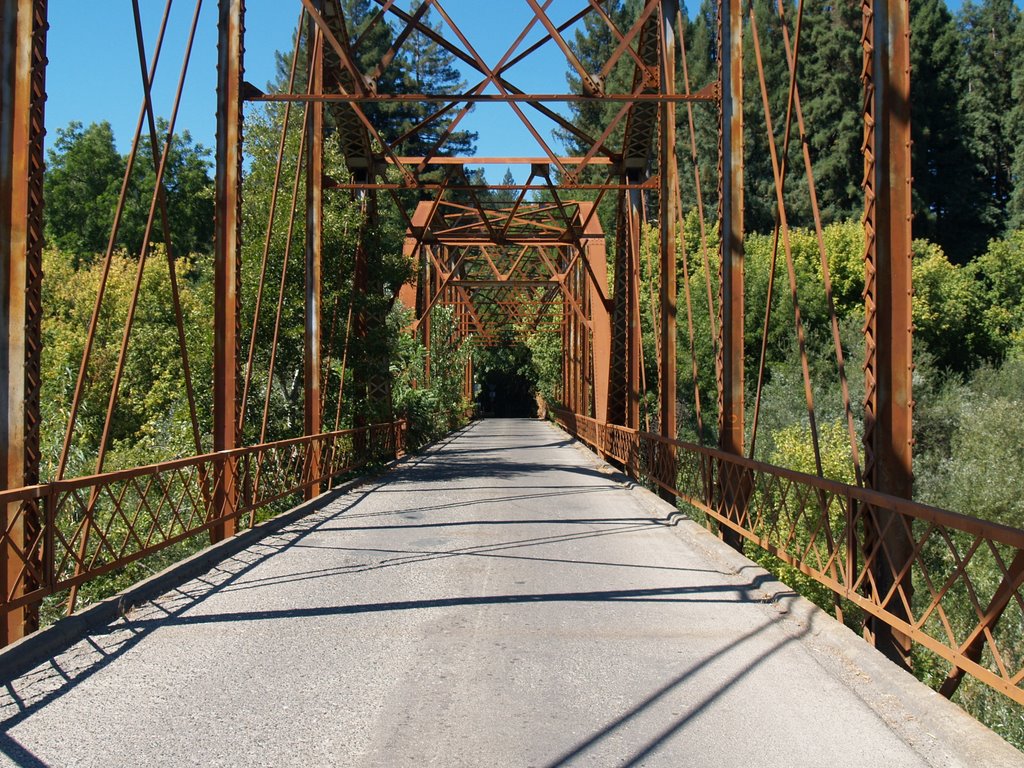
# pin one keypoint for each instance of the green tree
(435, 407)
(152, 420)
(702, 65)
(83, 183)
(190, 195)
(831, 60)
(947, 198)
(593, 43)
(1000, 272)
(83, 179)
(948, 311)
(1016, 119)
(429, 68)
(759, 180)
(989, 32)
(421, 65)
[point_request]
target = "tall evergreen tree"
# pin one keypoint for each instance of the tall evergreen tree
(1016, 208)
(830, 65)
(760, 202)
(421, 65)
(593, 42)
(429, 68)
(701, 36)
(947, 199)
(989, 32)
(593, 45)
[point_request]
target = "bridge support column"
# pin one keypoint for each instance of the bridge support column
(596, 277)
(624, 373)
(888, 429)
(23, 29)
(227, 262)
(730, 428)
(669, 216)
(314, 254)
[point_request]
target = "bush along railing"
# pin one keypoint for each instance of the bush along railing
(959, 592)
(59, 536)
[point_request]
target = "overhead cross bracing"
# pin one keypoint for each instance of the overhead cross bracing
(351, 91)
(618, 167)
(507, 267)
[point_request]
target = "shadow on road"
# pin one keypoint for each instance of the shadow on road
(29, 693)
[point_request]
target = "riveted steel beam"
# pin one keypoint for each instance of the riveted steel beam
(227, 257)
(731, 438)
(669, 218)
(23, 27)
(888, 405)
(314, 250)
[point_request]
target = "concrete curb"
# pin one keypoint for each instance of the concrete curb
(27, 653)
(934, 727)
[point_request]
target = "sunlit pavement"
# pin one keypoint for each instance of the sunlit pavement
(502, 600)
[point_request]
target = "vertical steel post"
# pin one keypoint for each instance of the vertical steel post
(624, 372)
(430, 289)
(227, 257)
(586, 341)
(314, 251)
(731, 438)
(595, 257)
(633, 354)
(360, 283)
(563, 395)
(22, 97)
(581, 340)
(888, 430)
(574, 343)
(669, 217)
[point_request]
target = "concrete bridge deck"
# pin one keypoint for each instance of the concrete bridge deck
(502, 600)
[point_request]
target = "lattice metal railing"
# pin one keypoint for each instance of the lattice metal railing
(967, 603)
(92, 526)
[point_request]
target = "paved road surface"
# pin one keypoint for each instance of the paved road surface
(503, 600)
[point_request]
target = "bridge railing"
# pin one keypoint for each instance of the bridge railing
(966, 604)
(80, 529)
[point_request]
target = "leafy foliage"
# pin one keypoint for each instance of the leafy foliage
(151, 421)
(83, 182)
(432, 401)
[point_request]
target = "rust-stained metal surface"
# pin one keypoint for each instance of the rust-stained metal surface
(227, 263)
(816, 525)
(669, 217)
(731, 413)
(312, 359)
(22, 96)
(888, 369)
(91, 526)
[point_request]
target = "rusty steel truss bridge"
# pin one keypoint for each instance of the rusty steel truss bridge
(559, 253)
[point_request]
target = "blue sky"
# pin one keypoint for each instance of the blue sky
(94, 73)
